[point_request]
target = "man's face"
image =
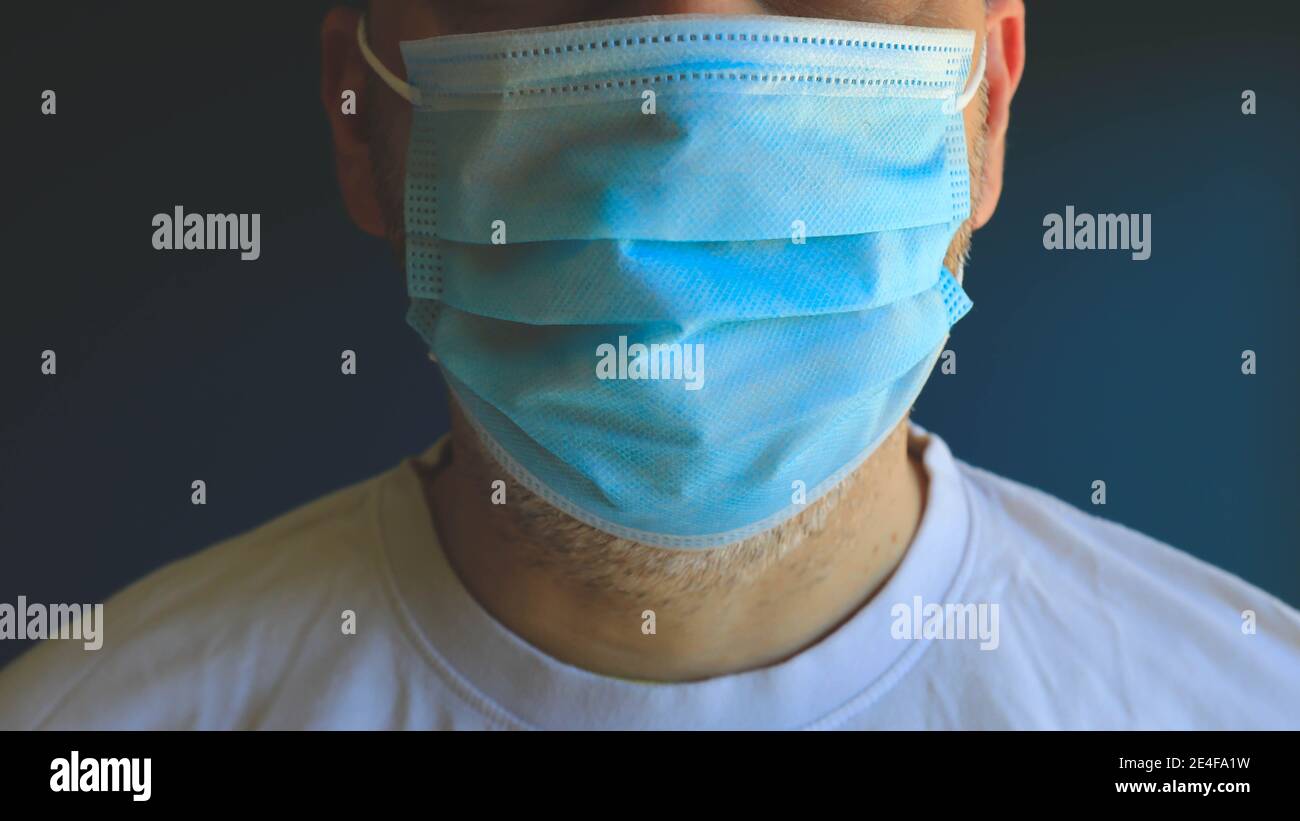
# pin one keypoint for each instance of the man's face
(370, 154)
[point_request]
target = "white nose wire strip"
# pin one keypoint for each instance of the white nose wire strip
(412, 94)
(409, 92)
(973, 85)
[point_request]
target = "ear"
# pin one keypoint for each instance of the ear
(343, 69)
(1005, 63)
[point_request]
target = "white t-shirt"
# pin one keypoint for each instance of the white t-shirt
(1096, 627)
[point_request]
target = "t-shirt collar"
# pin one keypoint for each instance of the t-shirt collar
(518, 685)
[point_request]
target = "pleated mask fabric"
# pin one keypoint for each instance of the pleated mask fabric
(684, 274)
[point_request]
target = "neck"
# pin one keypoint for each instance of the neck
(714, 612)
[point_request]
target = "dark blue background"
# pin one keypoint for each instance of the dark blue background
(1073, 366)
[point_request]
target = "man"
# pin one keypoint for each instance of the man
(733, 524)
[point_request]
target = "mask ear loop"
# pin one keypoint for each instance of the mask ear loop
(973, 85)
(407, 91)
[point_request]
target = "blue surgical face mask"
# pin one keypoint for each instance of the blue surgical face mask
(684, 274)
